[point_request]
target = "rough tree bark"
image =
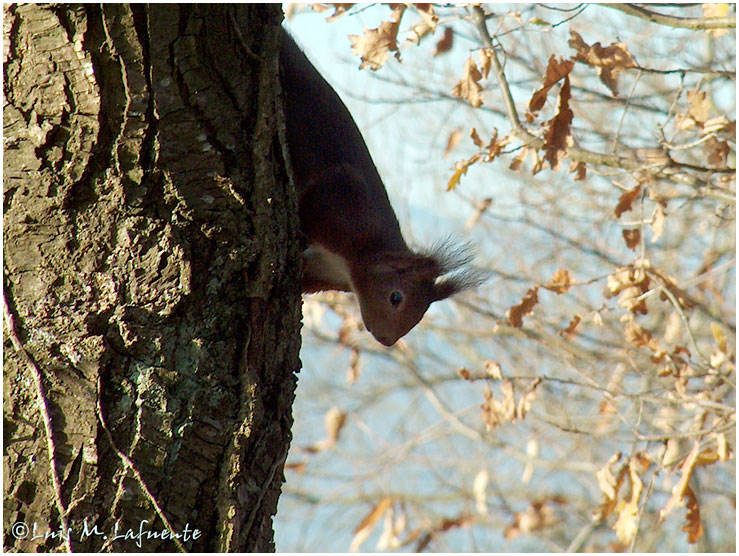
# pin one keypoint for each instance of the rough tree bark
(151, 283)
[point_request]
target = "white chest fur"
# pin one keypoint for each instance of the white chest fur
(326, 266)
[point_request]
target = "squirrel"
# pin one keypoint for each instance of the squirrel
(354, 243)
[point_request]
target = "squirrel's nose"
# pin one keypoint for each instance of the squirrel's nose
(385, 340)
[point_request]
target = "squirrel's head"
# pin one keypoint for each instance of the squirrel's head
(395, 289)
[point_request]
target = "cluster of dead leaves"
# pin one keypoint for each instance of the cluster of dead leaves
(628, 506)
(714, 131)
(560, 283)
(392, 513)
(632, 282)
(495, 412)
(488, 152)
(469, 88)
(539, 515)
(608, 61)
(375, 45)
(507, 410)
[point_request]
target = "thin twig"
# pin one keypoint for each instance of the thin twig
(43, 403)
(625, 110)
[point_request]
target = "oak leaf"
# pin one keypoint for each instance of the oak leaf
(625, 201)
(559, 136)
(516, 313)
(445, 43)
(460, 168)
(658, 222)
(376, 44)
(452, 141)
(570, 330)
(579, 169)
(608, 60)
(693, 526)
(339, 10)
(365, 527)
(560, 282)
(631, 237)
(469, 87)
(556, 71)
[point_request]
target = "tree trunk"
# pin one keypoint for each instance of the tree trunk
(151, 286)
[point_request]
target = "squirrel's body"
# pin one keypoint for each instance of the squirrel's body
(354, 239)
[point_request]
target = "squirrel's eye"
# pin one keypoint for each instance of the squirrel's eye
(396, 298)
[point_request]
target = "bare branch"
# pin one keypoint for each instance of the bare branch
(674, 21)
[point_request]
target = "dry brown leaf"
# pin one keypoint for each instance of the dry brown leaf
(479, 491)
(446, 42)
(700, 106)
(556, 70)
(486, 61)
(559, 137)
(339, 10)
(606, 479)
(678, 491)
(630, 283)
(606, 409)
(525, 401)
(670, 284)
(426, 11)
(518, 161)
(355, 369)
(453, 140)
(626, 525)
(722, 446)
(532, 451)
(537, 516)
(376, 44)
(393, 527)
(495, 413)
(508, 405)
(639, 337)
(493, 370)
(298, 467)
(693, 526)
(475, 138)
(719, 336)
(494, 147)
(365, 527)
(570, 330)
(579, 169)
(608, 61)
(658, 222)
(448, 523)
(469, 87)
(516, 313)
(625, 201)
(460, 169)
(717, 151)
(631, 238)
(560, 282)
(333, 422)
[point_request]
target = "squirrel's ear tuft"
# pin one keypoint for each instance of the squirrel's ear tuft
(449, 255)
(466, 279)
